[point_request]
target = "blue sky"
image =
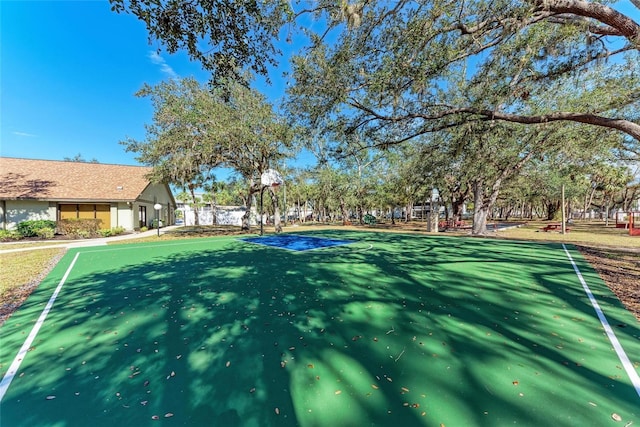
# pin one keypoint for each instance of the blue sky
(69, 71)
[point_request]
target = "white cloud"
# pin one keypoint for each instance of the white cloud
(17, 133)
(164, 67)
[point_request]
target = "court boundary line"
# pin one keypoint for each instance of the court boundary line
(624, 359)
(17, 361)
(110, 248)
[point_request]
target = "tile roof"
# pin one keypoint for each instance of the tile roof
(70, 181)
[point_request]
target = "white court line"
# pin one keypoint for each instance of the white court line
(112, 248)
(15, 365)
(626, 363)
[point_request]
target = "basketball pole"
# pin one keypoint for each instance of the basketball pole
(262, 209)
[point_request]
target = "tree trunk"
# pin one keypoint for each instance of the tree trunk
(456, 206)
(408, 214)
(276, 210)
(343, 210)
(480, 210)
(194, 199)
(552, 210)
(507, 212)
(304, 212)
(591, 195)
(246, 218)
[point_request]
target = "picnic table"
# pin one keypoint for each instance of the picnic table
(444, 224)
(554, 227)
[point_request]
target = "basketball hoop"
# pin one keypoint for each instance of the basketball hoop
(271, 178)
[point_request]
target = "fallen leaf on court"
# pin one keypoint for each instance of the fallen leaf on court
(616, 417)
(168, 415)
(227, 364)
(338, 392)
(50, 397)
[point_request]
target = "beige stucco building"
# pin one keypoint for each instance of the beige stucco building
(119, 195)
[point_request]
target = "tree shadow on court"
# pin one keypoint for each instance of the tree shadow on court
(391, 330)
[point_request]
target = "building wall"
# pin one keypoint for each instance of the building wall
(16, 211)
(122, 215)
(155, 193)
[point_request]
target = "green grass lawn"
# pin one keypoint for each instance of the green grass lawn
(391, 330)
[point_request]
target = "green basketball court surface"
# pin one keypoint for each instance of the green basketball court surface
(383, 330)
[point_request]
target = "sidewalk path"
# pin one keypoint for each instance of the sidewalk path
(101, 241)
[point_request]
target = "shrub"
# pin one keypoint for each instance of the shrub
(369, 219)
(30, 228)
(45, 232)
(113, 232)
(8, 235)
(143, 229)
(80, 228)
(117, 230)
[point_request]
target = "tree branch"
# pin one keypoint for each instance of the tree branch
(630, 128)
(626, 126)
(627, 27)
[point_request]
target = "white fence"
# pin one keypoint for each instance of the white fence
(225, 215)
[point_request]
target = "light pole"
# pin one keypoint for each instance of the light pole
(157, 207)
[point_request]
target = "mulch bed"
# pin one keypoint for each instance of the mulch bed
(620, 270)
